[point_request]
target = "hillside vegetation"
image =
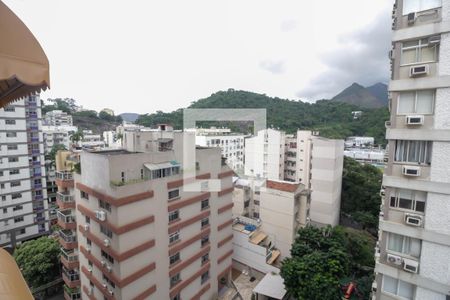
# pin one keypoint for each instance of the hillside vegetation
(332, 118)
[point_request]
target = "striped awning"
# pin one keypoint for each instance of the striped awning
(24, 67)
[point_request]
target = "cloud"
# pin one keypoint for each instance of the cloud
(362, 57)
(288, 25)
(273, 66)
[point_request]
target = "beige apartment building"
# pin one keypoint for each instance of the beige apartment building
(141, 234)
(413, 253)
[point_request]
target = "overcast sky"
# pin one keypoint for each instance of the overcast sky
(146, 55)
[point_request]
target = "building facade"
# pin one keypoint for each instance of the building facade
(24, 207)
(413, 253)
(58, 118)
(141, 234)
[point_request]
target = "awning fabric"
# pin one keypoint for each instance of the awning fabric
(24, 67)
(13, 285)
(163, 165)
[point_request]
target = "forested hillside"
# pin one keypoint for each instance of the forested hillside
(332, 118)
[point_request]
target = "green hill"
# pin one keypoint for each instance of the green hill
(332, 118)
(374, 96)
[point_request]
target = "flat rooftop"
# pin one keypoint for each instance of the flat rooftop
(113, 152)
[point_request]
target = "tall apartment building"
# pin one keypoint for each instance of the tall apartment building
(57, 135)
(264, 155)
(413, 254)
(58, 118)
(232, 144)
(140, 233)
(24, 208)
(314, 161)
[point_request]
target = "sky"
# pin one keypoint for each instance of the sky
(146, 55)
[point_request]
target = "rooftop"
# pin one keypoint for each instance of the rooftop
(272, 286)
(284, 186)
(113, 152)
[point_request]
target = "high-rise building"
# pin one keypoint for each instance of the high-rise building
(413, 252)
(58, 118)
(23, 203)
(141, 234)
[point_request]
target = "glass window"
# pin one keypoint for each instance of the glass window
(420, 102)
(419, 52)
(413, 151)
(205, 240)
(174, 194)
(398, 287)
(175, 279)
(403, 244)
(173, 237)
(11, 134)
(408, 199)
(174, 258)
(205, 277)
(174, 215)
(410, 6)
(106, 231)
(104, 205)
(205, 222)
(205, 204)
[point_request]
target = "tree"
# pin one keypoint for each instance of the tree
(52, 154)
(38, 260)
(76, 137)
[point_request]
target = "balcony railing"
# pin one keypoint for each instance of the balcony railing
(64, 175)
(69, 255)
(66, 216)
(71, 275)
(68, 236)
(66, 198)
(72, 293)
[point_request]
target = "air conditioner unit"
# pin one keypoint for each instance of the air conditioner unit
(104, 285)
(86, 227)
(411, 18)
(410, 265)
(394, 259)
(111, 292)
(88, 249)
(90, 270)
(411, 171)
(109, 268)
(416, 71)
(413, 220)
(106, 242)
(414, 120)
(103, 263)
(382, 193)
(374, 287)
(100, 215)
(434, 40)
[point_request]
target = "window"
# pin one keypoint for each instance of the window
(205, 204)
(106, 279)
(205, 222)
(204, 240)
(142, 173)
(410, 6)
(398, 287)
(12, 147)
(104, 205)
(419, 102)
(205, 277)
(122, 176)
(10, 122)
(176, 297)
(13, 159)
(173, 237)
(408, 199)
(16, 196)
(15, 183)
(174, 258)
(107, 256)
(11, 134)
(413, 151)
(247, 203)
(255, 215)
(20, 231)
(88, 242)
(106, 231)
(84, 195)
(14, 171)
(174, 215)
(256, 202)
(87, 219)
(5, 210)
(205, 258)
(418, 52)
(18, 219)
(17, 207)
(10, 108)
(174, 194)
(403, 244)
(175, 279)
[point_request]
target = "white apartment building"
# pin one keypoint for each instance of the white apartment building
(111, 140)
(91, 140)
(140, 233)
(58, 118)
(372, 156)
(231, 144)
(24, 208)
(413, 253)
(54, 135)
(264, 155)
(359, 141)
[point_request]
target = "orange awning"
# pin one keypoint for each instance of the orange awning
(12, 283)
(24, 67)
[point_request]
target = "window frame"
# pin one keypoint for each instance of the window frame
(406, 241)
(173, 259)
(418, 54)
(395, 196)
(173, 197)
(416, 97)
(428, 149)
(397, 288)
(173, 213)
(174, 237)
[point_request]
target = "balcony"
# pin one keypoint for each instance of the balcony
(69, 258)
(65, 200)
(71, 278)
(71, 293)
(68, 239)
(64, 179)
(66, 220)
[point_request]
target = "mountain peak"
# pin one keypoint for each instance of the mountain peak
(371, 97)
